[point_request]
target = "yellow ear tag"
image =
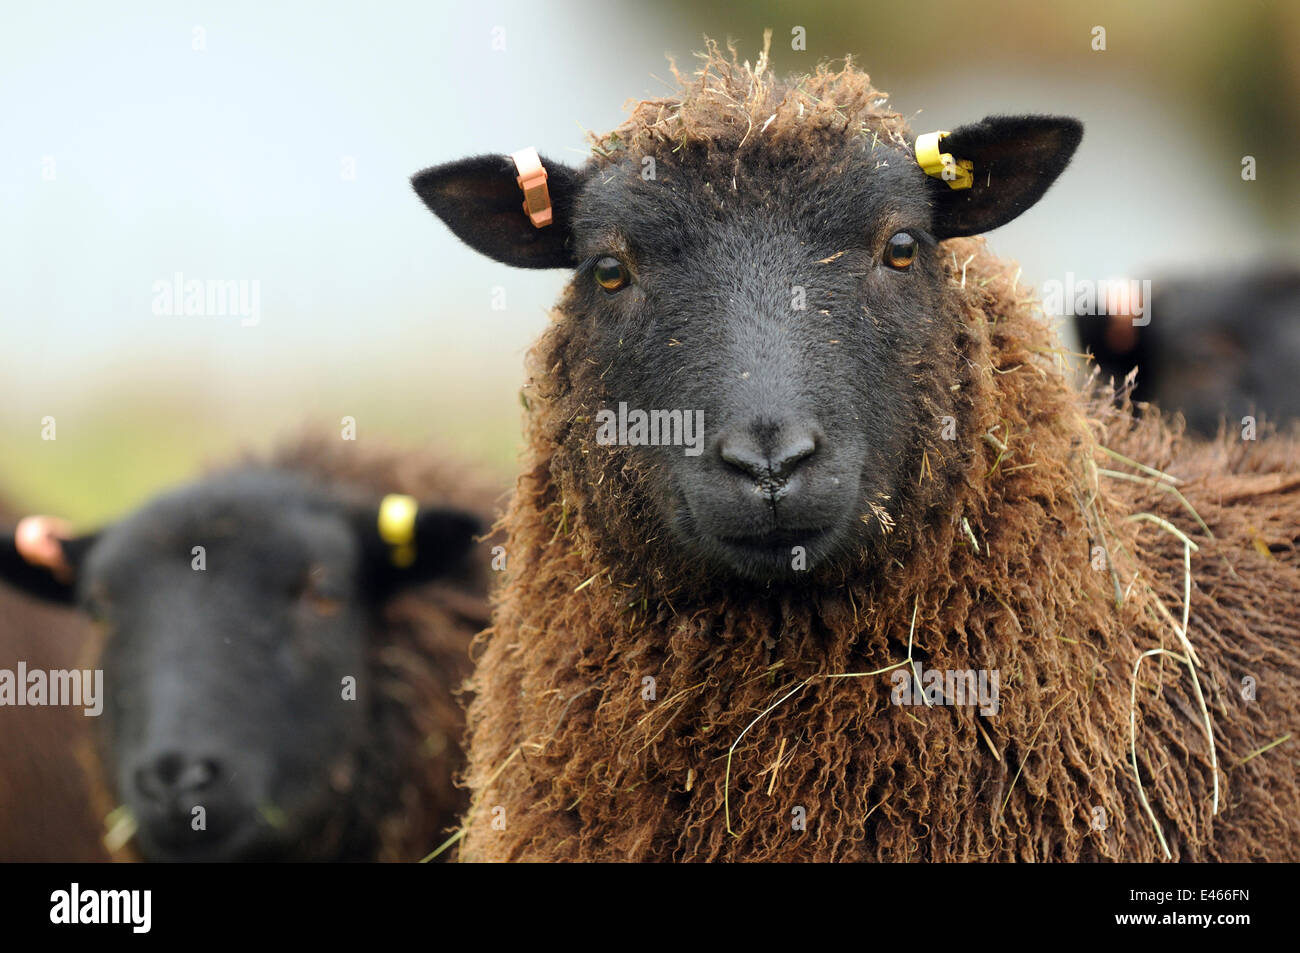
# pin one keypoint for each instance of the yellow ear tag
(397, 527)
(958, 173)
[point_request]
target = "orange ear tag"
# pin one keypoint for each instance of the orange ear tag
(38, 540)
(532, 179)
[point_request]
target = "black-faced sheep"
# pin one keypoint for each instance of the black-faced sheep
(1213, 348)
(280, 654)
(694, 655)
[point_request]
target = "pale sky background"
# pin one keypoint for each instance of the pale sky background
(225, 163)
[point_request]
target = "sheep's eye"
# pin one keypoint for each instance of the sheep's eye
(900, 250)
(611, 274)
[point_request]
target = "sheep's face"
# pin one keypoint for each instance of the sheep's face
(783, 324)
(224, 683)
(767, 333)
(237, 616)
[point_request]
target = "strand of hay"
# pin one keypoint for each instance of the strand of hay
(1030, 745)
(1268, 747)
(1146, 804)
(120, 826)
(1191, 658)
(1166, 487)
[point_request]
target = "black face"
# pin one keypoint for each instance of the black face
(793, 295)
(237, 677)
(792, 320)
(225, 685)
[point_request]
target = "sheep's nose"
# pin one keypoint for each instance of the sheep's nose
(171, 775)
(767, 455)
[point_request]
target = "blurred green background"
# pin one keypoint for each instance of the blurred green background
(140, 140)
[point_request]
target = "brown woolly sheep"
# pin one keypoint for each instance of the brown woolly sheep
(273, 653)
(694, 657)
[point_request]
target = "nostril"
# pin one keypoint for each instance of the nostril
(156, 779)
(173, 774)
(794, 453)
(777, 465)
(744, 458)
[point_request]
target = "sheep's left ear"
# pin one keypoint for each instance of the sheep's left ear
(404, 543)
(481, 200)
(1013, 160)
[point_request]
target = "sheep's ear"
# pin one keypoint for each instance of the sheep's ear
(42, 558)
(405, 544)
(481, 202)
(1014, 159)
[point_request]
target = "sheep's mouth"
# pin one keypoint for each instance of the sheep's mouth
(243, 833)
(776, 554)
(775, 539)
(762, 547)
(168, 841)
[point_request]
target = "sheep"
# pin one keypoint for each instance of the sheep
(1210, 348)
(697, 657)
(269, 659)
(45, 810)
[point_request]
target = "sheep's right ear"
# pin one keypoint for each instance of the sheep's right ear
(41, 558)
(480, 200)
